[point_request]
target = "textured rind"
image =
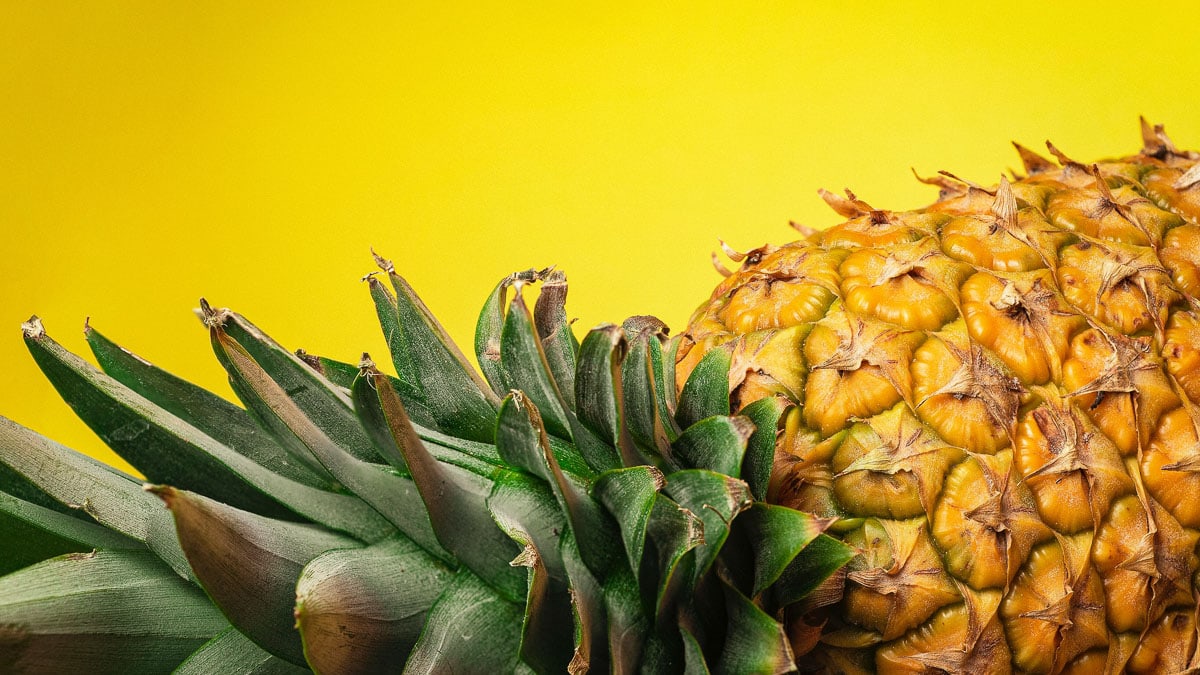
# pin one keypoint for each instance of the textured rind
(1042, 345)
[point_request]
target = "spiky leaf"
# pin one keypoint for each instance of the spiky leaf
(470, 629)
(101, 612)
(362, 610)
(249, 564)
(232, 652)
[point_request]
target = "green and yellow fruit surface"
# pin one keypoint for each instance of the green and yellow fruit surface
(996, 396)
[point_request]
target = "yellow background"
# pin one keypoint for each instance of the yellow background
(251, 152)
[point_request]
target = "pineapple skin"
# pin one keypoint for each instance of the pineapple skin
(997, 395)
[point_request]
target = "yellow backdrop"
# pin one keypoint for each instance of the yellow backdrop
(251, 152)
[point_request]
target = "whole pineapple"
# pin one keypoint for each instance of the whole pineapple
(997, 397)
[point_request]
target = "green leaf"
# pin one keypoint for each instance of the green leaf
(339, 373)
(389, 321)
(587, 609)
(674, 532)
(232, 652)
(481, 458)
(716, 499)
(599, 397)
(30, 533)
(362, 610)
(429, 362)
(760, 449)
(778, 534)
(628, 626)
(217, 418)
(114, 499)
(249, 564)
(629, 495)
(167, 450)
(456, 502)
(519, 440)
(706, 392)
(525, 366)
(487, 332)
(640, 382)
(754, 642)
(546, 636)
(526, 505)
(101, 612)
(326, 406)
(554, 330)
(471, 629)
(694, 662)
(811, 567)
(716, 443)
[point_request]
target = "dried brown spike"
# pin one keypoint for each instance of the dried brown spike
(1190, 178)
(1005, 206)
(731, 253)
(802, 228)
(1155, 142)
(383, 263)
(716, 261)
(970, 185)
(849, 206)
(946, 188)
(1062, 158)
(1034, 163)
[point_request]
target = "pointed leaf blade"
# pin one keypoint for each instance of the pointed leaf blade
(706, 392)
(754, 642)
(30, 533)
(249, 564)
(765, 413)
(362, 610)
(779, 534)
(217, 418)
(716, 443)
(101, 612)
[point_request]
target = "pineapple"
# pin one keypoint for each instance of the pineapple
(955, 439)
(996, 398)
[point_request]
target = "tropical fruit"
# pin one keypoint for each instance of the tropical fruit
(570, 513)
(962, 438)
(997, 398)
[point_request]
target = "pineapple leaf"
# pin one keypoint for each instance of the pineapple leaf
(219, 419)
(754, 642)
(706, 392)
(716, 443)
(694, 662)
(526, 506)
(160, 445)
(629, 495)
(778, 535)
(554, 330)
(338, 373)
(525, 366)
(101, 612)
(362, 610)
(166, 449)
(455, 500)
(811, 567)
(675, 532)
(232, 652)
(328, 407)
(429, 362)
(765, 413)
(520, 439)
(599, 396)
(30, 533)
(113, 499)
(716, 499)
(643, 389)
(628, 626)
(546, 637)
(470, 629)
(389, 322)
(587, 610)
(249, 564)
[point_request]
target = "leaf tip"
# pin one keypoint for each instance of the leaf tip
(164, 492)
(210, 317)
(383, 263)
(33, 328)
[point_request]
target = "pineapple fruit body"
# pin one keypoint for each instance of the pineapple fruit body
(997, 398)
